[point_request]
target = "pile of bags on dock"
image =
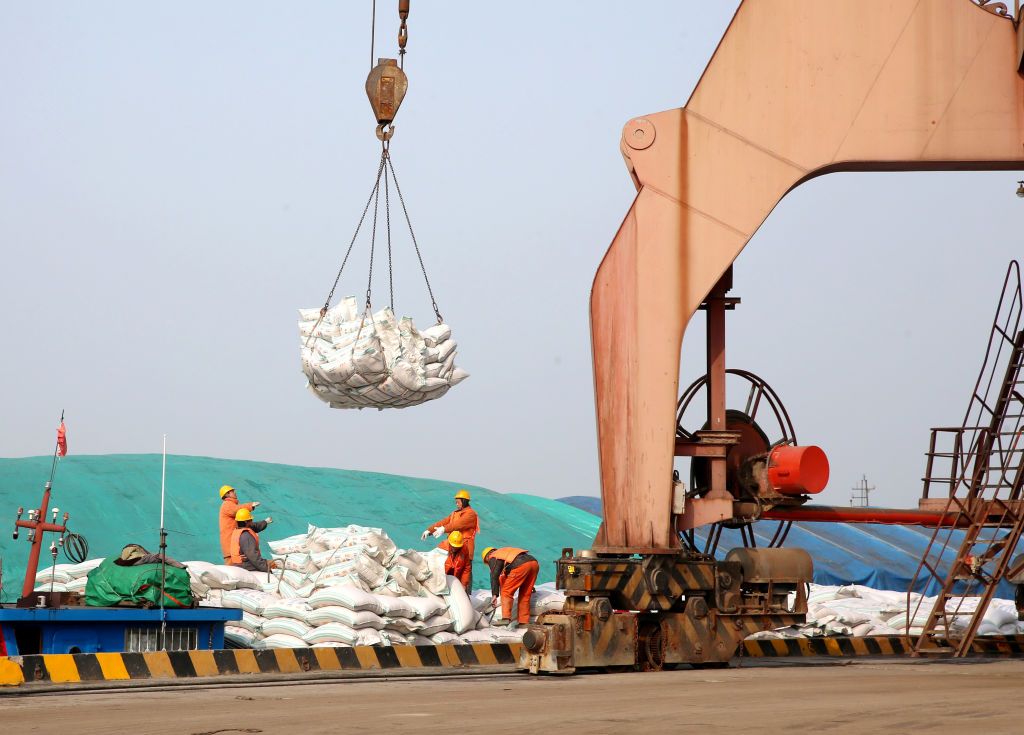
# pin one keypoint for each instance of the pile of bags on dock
(855, 610)
(357, 360)
(347, 587)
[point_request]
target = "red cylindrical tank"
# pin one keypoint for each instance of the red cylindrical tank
(797, 470)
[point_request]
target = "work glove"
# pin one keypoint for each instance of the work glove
(256, 505)
(268, 520)
(439, 532)
(423, 536)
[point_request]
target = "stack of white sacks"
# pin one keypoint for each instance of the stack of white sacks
(347, 587)
(354, 360)
(862, 611)
(66, 577)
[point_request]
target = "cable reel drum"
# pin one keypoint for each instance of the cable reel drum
(765, 465)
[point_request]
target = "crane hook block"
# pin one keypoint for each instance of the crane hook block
(386, 87)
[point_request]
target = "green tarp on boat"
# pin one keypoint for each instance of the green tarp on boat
(110, 584)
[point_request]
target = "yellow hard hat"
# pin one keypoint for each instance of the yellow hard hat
(487, 551)
(243, 514)
(462, 495)
(455, 539)
(224, 490)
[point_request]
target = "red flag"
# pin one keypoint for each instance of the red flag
(62, 439)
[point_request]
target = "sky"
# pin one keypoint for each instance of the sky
(176, 180)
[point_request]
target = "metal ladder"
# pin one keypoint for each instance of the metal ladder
(985, 485)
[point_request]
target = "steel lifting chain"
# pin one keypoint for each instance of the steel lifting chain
(403, 31)
(412, 234)
(385, 169)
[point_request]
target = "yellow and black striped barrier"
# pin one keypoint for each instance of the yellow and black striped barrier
(849, 647)
(79, 667)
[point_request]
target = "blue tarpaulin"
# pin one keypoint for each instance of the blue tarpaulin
(878, 556)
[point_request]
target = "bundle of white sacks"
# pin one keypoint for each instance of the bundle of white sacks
(347, 587)
(354, 360)
(66, 577)
(862, 611)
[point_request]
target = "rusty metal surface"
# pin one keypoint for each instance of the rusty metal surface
(386, 86)
(794, 90)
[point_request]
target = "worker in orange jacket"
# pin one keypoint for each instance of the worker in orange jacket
(244, 545)
(229, 506)
(463, 519)
(459, 563)
(513, 571)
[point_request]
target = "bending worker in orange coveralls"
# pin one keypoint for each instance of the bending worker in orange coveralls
(462, 519)
(512, 571)
(459, 563)
(229, 506)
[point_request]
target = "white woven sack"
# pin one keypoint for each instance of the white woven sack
(426, 607)
(403, 625)
(405, 580)
(285, 626)
(393, 638)
(476, 636)
(280, 641)
(413, 561)
(78, 584)
(291, 545)
(377, 546)
(83, 569)
(239, 637)
(417, 639)
(444, 637)
(460, 609)
(368, 637)
(329, 614)
(436, 624)
(358, 619)
(504, 635)
(396, 607)
(436, 583)
(332, 633)
(250, 622)
(337, 555)
(58, 573)
(251, 601)
(348, 597)
(293, 608)
(345, 580)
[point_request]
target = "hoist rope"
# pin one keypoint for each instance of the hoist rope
(385, 169)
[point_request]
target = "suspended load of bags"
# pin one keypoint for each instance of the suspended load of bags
(364, 360)
(352, 356)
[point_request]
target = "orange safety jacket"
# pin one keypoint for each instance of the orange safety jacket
(466, 521)
(506, 554)
(459, 565)
(234, 551)
(499, 561)
(226, 520)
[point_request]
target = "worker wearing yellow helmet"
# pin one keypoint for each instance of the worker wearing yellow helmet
(244, 548)
(459, 563)
(229, 506)
(464, 520)
(513, 572)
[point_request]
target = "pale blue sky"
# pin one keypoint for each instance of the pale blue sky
(177, 179)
